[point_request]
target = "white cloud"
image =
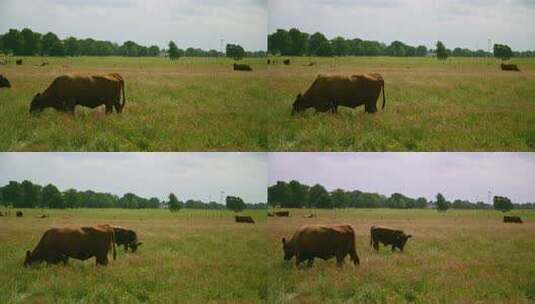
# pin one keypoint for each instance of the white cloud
(189, 175)
(456, 175)
(190, 23)
(464, 23)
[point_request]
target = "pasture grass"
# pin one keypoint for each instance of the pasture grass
(195, 256)
(462, 104)
(191, 104)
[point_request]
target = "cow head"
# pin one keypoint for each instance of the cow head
(4, 83)
(134, 245)
(288, 250)
(28, 260)
(402, 239)
(298, 106)
(37, 104)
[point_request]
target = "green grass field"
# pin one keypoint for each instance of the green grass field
(192, 104)
(458, 105)
(204, 257)
(200, 104)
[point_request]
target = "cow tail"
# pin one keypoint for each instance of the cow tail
(384, 97)
(124, 97)
(113, 244)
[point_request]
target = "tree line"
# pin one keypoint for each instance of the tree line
(29, 43)
(293, 42)
(26, 194)
(294, 194)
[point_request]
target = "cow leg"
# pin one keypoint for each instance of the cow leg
(376, 245)
(340, 259)
(298, 261)
(102, 260)
(393, 248)
(370, 108)
(125, 247)
(109, 108)
(354, 257)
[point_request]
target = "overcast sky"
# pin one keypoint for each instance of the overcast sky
(465, 23)
(190, 23)
(455, 175)
(189, 175)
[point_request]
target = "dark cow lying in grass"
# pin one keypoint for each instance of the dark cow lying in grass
(242, 67)
(512, 219)
(18, 61)
(57, 245)
(327, 93)
(127, 238)
(388, 236)
(287, 62)
(282, 213)
(321, 241)
(68, 91)
(4, 82)
(243, 219)
(18, 214)
(510, 67)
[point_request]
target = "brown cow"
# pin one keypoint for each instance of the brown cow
(68, 91)
(59, 244)
(242, 67)
(510, 67)
(286, 62)
(42, 216)
(329, 92)
(4, 82)
(321, 241)
(243, 219)
(388, 236)
(19, 214)
(1, 214)
(126, 237)
(270, 214)
(512, 219)
(18, 61)
(282, 213)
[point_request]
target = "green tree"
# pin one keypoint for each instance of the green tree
(340, 47)
(52, 197)
(442, 52)
(174, 204)
(174, 54)
(71, 198)
(235, 51)
(298, 195)
(31, 194)
(502, 51)
(72, 47)
(13, 42)
(279, 42)
(502, 203)
(280, 194)
(442, 204)
(319, 197)
(298, 42)
(235, 203)
(340, 198)
(318, 42)
(51, 45)
(12, 193)
(32, 42)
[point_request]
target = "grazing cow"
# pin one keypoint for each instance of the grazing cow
(270, 214)
(329, 92)
(18, 213)
(4, 82)
(242, 67)
(59, 244)
(512, 219)
(127, 238)
(268, 61)
(286, 62)
(243, 219)
(321, 241)
(1, 214)
(42, 216)
(18, 61)
(311, 64)
(282, 213)
(388, 236)
(510, 67)
(68, 91)
(309, 216)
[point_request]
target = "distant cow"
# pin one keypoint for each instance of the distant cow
(309, 216)
(18, 61)
(18, 213)
(4, 82)
(321, 241)
(268, 61)
(329, 92)
(243, 219)
(286, 62)
(388, 236)
(1, 214)
(242, 67)
(510, 67)
(282, 213)
(59, 244)
(270, 214)
(42, 216)
(68, 91)
(126, 237)
(311, 64)
(512, 219)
